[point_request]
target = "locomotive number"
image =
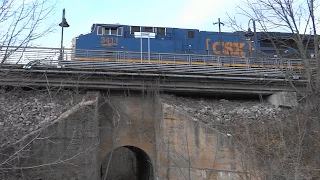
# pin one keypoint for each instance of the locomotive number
(109, 41)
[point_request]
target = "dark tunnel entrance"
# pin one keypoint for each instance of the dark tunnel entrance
(127, 163)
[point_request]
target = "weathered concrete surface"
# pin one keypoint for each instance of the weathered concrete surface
(192, 150)
(178, 145)
(128, 121)
(285, 99)
(65, 148)
(166, 137)
(22, 112)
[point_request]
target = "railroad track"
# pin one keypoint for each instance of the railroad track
(128, 76)
(163, 68)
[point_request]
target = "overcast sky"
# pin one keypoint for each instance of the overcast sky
(81, 14)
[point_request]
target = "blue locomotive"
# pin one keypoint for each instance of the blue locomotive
(105, 38)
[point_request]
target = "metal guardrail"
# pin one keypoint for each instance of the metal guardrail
(166, 62)
(188, 59)
(26, 54)
(124, 70)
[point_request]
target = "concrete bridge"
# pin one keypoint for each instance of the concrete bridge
(122, 135)
(129, 132)
(189, 73)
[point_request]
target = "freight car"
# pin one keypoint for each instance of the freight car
(106, 39)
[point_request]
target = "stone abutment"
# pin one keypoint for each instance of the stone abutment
(117, 135)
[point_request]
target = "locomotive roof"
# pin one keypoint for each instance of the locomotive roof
(282, 35)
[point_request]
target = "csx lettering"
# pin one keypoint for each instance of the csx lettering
(228, 48)
(109, 41)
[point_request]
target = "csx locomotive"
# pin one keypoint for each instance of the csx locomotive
(121, 38)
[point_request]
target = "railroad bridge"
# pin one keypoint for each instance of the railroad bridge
(144, 137)
(121, 135)
(130, 132)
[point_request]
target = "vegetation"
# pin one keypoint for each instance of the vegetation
(283, 148)
(287, 148)
(22, 22)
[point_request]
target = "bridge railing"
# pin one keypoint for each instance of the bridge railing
(188, 59)
(24, 55)
(50, 56)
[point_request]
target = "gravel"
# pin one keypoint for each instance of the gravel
(223, 112)
(22, 112)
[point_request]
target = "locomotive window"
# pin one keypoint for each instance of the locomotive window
(113, 31)
(190, 34)
(161, 31)
(148, 29)
(119, 33)
(99, 30)
(135, 29)
(106, 31)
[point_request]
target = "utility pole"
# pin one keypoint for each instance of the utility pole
(220, 38)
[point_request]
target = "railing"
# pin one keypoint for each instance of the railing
(188, 59)
(50, 56)
(24, 55)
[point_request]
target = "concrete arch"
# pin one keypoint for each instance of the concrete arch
(127, 163)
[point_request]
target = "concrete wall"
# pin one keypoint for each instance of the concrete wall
(65, 149)
(175, 145)
(179, 146)
(188, 149)
(127, 121)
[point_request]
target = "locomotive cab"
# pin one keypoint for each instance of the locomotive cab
(100, 43)
(109, 35)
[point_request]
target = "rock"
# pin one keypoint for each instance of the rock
(38, 118)
(221, 111)
(24, 111)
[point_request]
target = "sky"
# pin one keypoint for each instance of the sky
(81, 14)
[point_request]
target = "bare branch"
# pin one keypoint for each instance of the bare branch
(22, 22)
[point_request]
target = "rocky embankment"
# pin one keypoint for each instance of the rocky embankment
(22, 112)
(219, 112)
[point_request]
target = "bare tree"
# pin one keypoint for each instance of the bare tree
(286, 148)
(21, 23)
(297, 21)
(20, 147)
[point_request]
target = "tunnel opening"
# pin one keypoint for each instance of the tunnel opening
(127, 163)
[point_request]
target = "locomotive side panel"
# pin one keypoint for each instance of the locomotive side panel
(115, 37)
(187, 41)
(192, 41)
(226, 44)
(162, 43)
(167, 40)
